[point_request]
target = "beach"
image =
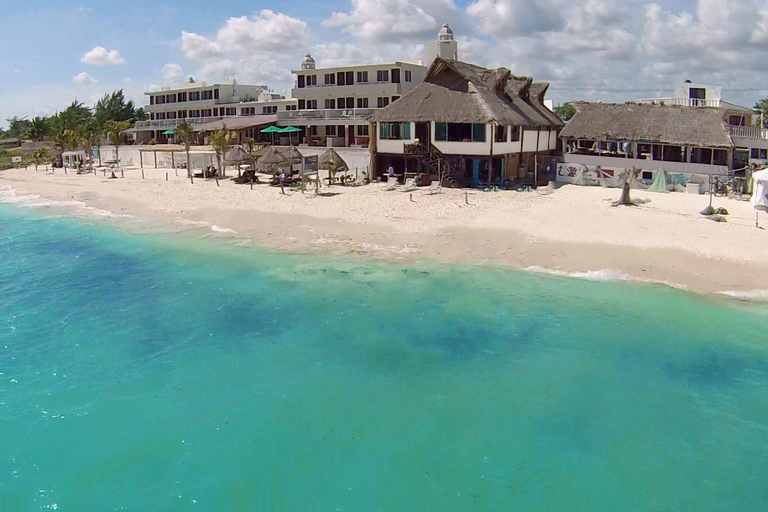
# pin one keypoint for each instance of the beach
(572, 230)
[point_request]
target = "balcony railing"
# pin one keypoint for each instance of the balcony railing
(351, 114)
(681, 102)
(173, 123)
(748, 132)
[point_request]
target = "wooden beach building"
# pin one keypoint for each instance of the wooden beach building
(471, 125)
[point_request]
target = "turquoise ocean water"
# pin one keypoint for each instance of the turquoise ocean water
(162, 371)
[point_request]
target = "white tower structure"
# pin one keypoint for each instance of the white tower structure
(445, 47)
(308, 62)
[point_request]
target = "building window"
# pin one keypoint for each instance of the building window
(216, 112)
(362, 77)
(460, 132)
(207, 112)
(302, 104)
(362, 130)
(764, 154)
(408, 75)
(311, 80)
(152, 116)
(382, 75)
(396, 76)
(330, 79)
(673, 154)
(342, 102)
(395, 131)
(514, 134)
(382, 102)
(362, 102)
(330, 131)
(330, 103)
(290, 107)
(701, 156)
(268, 110)
(341, 78)
(301, 81)
(719, 157)
(395, 98)
(151, 100)
(501, 133)
(232, 111)
(215, 94)
(350, 78)
(161, 115)
(207, 95)
(312, 104)
(194, 96)
(754, 153)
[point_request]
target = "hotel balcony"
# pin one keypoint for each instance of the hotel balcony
(681, 102)
(748, 132)
(324, 116)
(173, 123)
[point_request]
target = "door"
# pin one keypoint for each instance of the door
(422, 133)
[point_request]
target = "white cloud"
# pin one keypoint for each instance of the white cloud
(394, 21)
(85, 79)
(172, 73)
(259, 49)
(100, 56)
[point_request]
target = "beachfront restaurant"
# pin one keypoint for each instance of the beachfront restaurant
(470, 126)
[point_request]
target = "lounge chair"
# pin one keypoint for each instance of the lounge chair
(409, 186)
(434, 188)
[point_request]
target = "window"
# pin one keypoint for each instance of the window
(408, 75)
(194, 96)
(382, 102)
(160, 100)
(207, 112)
(216, 112)
(330, 131)
(362, 77)
(736, 120)
(515, 134)
(501, 134)
(301, 81)
(341, 78)
(395, 131)
(701, 156)
(754, 153)
(311, 80)
(312, 104)
(396, 76)
(719, 157)
(395, 98)
(330, 103)
(170, 98)
(269, 110)
(764, 154)
(215, 94)
(330, 79)
(178, 97)
(290, 107)
(181, 114)
(302, 104)
(382, 75)
(673, 154)
(460, 132)
(171, 115)
(161, 115)
(362, 102)
(313, 130)
(342, 102)
(362, 130)
(207, 95)
(152, 116)
(151, 100)
(350, 78)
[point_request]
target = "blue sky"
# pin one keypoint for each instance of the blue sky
(611, 50)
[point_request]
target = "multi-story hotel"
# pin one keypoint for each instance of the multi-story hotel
(333, 104)
(199, 103)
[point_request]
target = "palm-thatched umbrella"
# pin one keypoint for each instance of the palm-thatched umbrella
(237, 156)
(271, 159)
(332, 162)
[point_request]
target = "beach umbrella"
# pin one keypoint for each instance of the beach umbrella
(331, 156)
(169, 132)
(272, 130)
(290, 130)
(270, 160)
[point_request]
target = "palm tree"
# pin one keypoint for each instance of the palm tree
(39, 157)
(114, 132)
(38, 129)
(186, 135)
(221, 140)
(92, 137)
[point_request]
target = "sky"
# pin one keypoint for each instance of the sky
(608, 50)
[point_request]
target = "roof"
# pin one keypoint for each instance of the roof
(458, 92)
(237, 123)
(670, 124)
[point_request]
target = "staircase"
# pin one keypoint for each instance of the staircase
(437, 163)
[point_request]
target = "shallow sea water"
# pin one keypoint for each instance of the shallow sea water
(165, 371)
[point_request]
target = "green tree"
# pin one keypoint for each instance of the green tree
(761, 107)
(141, 114)
(114, 133)
(38, 129)
(187, 136)
(92, 137)
(114, 107)
(39, 157)
(565, 111)
(221, 140)
(17, 126)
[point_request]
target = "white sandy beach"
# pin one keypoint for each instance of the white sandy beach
(572, 230)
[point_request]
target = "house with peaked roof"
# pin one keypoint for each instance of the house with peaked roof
(472, 125)
(696, 132)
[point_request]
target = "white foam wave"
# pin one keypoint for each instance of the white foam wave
(750, 295)
(11, 196)
(592, 275)
(218, 229)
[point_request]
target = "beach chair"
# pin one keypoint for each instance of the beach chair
(434, 188)
(409, 186)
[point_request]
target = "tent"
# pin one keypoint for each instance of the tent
(659, 182)
(760, 187)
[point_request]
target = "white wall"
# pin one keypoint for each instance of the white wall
(648, 165)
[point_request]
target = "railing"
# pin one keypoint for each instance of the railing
(172, 123)
(748, 132)
(682, 102)
(352, 114)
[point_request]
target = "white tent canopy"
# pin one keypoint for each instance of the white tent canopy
(760, 187)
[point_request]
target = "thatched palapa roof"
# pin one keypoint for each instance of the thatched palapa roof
(458, 92)
(666, 124)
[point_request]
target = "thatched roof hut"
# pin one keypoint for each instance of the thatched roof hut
(458, 92)
(332, 156)
(273, 157)
(665, 124)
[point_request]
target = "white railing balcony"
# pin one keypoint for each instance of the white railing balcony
(173, 123)
(350, 114)
(681, 102)
(748, 132)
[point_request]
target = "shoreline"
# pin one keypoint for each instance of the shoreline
(451, 227)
